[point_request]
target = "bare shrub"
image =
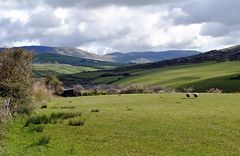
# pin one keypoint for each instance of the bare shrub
(133, 89)
(160, 89)
(40, 92)
(108, 89)
(214, 90)
(78, 90)
(188, 89)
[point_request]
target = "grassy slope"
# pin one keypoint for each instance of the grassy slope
(61, 68)
(75, 61)
(201, 76)
(151, 124)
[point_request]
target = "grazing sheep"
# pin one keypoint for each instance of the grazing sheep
(195, 95)
(188, 95)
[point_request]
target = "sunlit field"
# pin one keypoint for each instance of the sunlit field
(141, 124)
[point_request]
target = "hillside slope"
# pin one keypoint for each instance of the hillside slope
(225, 76)
(203, 76)
(150, 56)
(66, 51)
(227, 54)
(133, 57)
(41, 70)
(75, 61)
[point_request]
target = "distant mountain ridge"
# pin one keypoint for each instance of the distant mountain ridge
(67, 51)
(150, 56)
(221, 55)
(118, 57)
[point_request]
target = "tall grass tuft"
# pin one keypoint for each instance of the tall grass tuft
(37, 120)
(44, 140)
(75, 122)
(53, 118)
(36, 128)
(95, 110)
(61, 115)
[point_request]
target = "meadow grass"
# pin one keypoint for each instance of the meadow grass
(143, 124)
(61, 68)
(201, 76)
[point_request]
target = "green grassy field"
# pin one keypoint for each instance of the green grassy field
(61, 68)
(75, 61)
(201, 76)
(143, 124)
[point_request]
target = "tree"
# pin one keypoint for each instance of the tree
(54, 84)
(15, 78)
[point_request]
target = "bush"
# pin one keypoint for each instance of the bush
(76, 122)
(133, 89)
(40, 92)
(54, 84)
(44, 140)
(15, 78)
(188, 89)
(158, 89)
(214, 90)
(78, 90)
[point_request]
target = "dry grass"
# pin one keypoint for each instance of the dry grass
(40, 92)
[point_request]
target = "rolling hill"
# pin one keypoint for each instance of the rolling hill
(42, 58)
(227, 54)
(67, 51)
(202, 76)
(41, 70)
(46, 63)
(132, 57)
(68, 56)
(150, 56)
(214, 69)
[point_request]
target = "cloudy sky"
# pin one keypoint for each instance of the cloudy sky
(103, 26)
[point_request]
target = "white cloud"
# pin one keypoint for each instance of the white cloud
(25, 42)
(103, 26)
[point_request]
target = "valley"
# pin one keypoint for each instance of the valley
(120, 78)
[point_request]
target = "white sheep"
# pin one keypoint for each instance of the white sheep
(188, 95)
(195, 95)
